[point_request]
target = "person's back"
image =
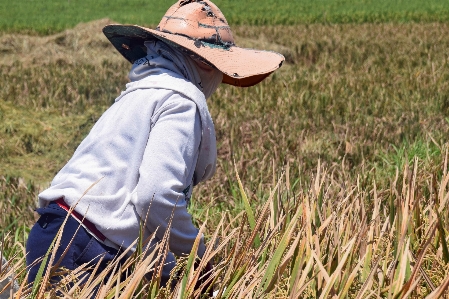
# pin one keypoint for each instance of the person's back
(148, 133)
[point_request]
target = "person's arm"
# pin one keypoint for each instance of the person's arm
(166, 170)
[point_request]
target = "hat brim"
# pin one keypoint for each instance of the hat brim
(240, 66)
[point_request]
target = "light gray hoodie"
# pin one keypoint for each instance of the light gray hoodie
(148, 149)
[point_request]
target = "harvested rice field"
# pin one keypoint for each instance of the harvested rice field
(332, 175)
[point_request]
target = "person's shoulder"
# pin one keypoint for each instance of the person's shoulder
(178, 99)
(176, 104)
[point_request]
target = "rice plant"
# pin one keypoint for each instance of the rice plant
(328, 238)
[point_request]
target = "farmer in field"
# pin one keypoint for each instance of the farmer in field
(140, 161)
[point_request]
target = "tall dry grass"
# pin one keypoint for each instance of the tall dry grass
(327, 239)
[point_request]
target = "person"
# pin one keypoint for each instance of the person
(143, 156)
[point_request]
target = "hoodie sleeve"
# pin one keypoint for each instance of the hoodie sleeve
(166, 172)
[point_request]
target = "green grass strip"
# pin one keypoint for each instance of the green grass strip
(53, 16)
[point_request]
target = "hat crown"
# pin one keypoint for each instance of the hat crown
(201, 20)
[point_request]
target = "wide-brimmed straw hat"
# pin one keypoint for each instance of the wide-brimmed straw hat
(200, 29)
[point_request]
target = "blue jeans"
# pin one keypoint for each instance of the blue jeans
(84, 248)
